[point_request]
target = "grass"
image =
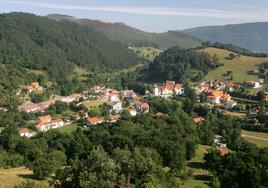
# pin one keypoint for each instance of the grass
(11, 177)
(93, 103)
(68, 129)
(239, 66)
(201, 176)
(257, 134)
(258, 142)
(148, 53)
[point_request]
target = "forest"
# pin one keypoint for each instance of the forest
(180, 65)
(29, 42)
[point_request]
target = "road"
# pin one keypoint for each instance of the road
(258, 138)
(245, 100)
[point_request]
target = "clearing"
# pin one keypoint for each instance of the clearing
(68, 129)
(148, 53)
(239, 66)
(258, 138)
(201, 177)
(13, 176)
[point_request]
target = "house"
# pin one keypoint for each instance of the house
(128, 94)
(219, 141)
(253, 84)
(114, 118)
(46, 123)
(224, 151)
(168, 89)
(24, 132)
(230, 104)
(113, 97)
(230, 87)
(217, 97)
(56, 123)
(198, 120)
(145, 107)
(117, 107)
(132, 111)
(93, 121)
(45, 119)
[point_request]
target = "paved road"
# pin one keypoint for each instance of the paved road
(258, 138)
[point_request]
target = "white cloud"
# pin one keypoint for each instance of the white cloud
(258, 15)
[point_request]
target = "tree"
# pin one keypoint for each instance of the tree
(42, 168)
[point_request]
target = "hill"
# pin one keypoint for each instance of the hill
(239, 66)
(57, 48)
(134, 37)
(180, 65)
(249, 35)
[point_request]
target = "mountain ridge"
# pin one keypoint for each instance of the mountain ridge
(252, 35)
(134, 37)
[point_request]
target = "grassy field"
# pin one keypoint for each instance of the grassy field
(258, 142)
(11, 177)
(93, 103)
(148, 53)
(239, 66)
(68, 129)
(200, 176)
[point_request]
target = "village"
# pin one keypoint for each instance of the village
(214, 94)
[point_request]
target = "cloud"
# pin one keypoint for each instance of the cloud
(258, 15)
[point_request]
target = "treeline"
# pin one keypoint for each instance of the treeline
(234, 48)
(180, 65)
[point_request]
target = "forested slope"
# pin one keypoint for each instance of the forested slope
(133, 37)
(39, 43)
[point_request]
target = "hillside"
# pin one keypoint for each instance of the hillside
(240, 66)
(180, 65)
(134, 37)
(249, 35)
(38, 43)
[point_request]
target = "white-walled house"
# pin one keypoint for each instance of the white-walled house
(117, 107)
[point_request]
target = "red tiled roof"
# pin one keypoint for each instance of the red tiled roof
(35, 84)
(45, 119)
(24, 130)
(145, 106)
(224, 151)
(198, 120)
(93, 120)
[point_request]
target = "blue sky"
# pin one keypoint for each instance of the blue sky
(150, 15)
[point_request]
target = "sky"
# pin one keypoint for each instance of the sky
(149, 15)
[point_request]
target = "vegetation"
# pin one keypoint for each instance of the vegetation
(29, 42)
(240, 66)
(250, 35)
(134, 37)
(180, 65)
(148, 53)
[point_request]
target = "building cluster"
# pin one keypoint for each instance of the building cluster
(29, 107)
(35, 86)
(216, 93)
(168, 90)
(44, 123)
